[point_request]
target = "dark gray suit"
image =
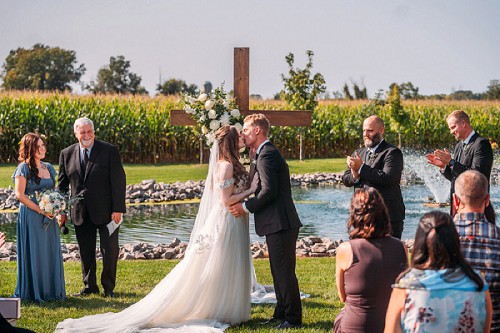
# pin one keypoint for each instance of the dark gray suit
(476, 155)
(382, 171)
(277, 219)
(103, 183)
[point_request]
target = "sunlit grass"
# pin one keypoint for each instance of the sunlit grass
(316, 277)
(170, 173)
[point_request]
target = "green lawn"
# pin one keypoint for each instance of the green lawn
(316, 277)
(170, 173)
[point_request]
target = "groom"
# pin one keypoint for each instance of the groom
(276, 218)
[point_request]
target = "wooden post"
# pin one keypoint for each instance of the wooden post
(242, 95)
(242, 78)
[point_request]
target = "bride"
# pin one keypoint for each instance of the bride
(210, 288)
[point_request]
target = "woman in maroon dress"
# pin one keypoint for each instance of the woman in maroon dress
(367, 265)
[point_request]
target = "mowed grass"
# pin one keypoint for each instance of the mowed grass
(315, 275)
(171, 173)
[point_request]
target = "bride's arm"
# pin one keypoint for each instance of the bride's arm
(228, 197)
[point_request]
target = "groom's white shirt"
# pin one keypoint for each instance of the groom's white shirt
(256, 153)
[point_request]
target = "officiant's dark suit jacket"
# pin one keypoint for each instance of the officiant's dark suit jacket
(382, 171)
(272, 206)
(276, 218)
(476, 155)
(103, 182)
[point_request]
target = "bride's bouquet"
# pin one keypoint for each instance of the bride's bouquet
(54, 202)
(212, 111)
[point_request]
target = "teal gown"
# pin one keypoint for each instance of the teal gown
(40, 271)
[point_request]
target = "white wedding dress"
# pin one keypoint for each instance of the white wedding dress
(207, 291)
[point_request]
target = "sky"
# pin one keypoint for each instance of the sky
(440, 46)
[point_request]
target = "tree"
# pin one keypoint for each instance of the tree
(347, 93)
(493, 91)
(117, 78)
(207, 87)
(408, 90)
(301, 88)
(175, 87)
(41, 68)
(397, 113)
(358, 92)
(463, 95)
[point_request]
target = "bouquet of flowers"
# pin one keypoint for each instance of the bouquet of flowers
(53, 202)
(212, 111)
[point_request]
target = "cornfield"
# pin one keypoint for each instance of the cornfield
(140, 126)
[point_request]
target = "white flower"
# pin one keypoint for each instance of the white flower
(202, 97)
(203, 118)
(235, 113)
(212, 114)
(210, 138)
(226, 104)
(48, 208)
(209, 105)
(190, 110)
(214, 125)
(238, 126)
(204, 129)
(225, 119)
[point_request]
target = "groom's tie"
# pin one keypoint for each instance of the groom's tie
(253, 166)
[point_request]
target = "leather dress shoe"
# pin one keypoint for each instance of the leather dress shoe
(85, 292)
(271, 320)
(109, 294)
(285, 324)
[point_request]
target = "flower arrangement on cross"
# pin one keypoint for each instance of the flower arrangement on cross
(211, 111)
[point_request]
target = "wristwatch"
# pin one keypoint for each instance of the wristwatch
(452, 163)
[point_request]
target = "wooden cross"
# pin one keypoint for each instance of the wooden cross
(241, 93)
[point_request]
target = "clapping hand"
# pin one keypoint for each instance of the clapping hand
(354, 163)
(440, 158)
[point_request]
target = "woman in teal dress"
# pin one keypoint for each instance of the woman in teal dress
(40, 272)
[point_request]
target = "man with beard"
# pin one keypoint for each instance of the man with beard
(379, 165)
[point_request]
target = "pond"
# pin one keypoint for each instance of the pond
(323, 211)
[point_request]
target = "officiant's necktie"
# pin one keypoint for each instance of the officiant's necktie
(85, 159)
(369, 154)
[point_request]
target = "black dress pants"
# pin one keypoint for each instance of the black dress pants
(86, 235)
(281, 246)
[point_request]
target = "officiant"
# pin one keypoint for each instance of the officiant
(379, 164)
(94, 168)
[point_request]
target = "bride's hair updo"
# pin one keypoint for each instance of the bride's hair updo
(27, 151)
(228, 138)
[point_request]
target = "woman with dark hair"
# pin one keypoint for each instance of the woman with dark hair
(440, 292)
(210, 288)
(367, 265)
(40, 272)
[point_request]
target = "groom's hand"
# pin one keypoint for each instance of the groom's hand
(236, 209)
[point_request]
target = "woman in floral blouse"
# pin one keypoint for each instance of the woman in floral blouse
(440, 292)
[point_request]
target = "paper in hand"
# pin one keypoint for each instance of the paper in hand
(112, 226)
